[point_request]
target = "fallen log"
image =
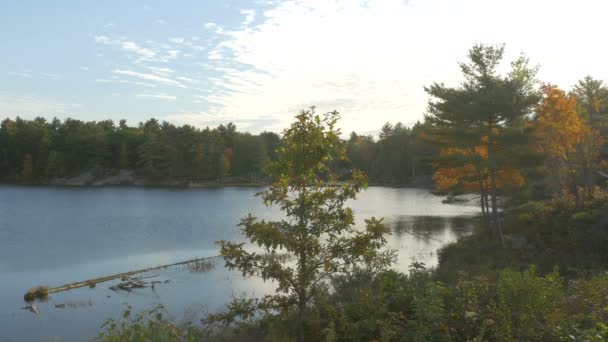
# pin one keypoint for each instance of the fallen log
(34, 293)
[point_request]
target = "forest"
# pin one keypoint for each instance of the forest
(567, 128)
(38, 151)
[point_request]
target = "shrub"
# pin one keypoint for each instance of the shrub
(148, 326)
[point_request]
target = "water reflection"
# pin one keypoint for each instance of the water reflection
(430, 227)
(417, 238)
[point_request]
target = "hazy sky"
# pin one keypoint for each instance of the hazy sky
(257, 62)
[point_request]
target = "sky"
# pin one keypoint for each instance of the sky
(257, 63)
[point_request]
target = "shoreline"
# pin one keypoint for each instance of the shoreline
(210, 185)
(128, 179)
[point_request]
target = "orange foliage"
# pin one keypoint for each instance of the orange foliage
(468, 176)
(558, 125)
(571, 145)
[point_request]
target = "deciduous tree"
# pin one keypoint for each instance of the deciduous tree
(318, 229)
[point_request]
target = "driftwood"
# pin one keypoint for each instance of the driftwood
(31, 294)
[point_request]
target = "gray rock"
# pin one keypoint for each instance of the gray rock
(81, 180)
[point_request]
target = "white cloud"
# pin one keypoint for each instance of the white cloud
(172, 54)
(84, 68)
(214, 55)
(24, 73)
(161, 70)
(159, 96)
(258, 124)
(371, 58)
(51, 76)
(149, 77)
(102, 39)
(114, 80)
(177, 40)
(160, 21)
(214, 27)
(151, 52)
(132, 47)
(249, 16)
(186, 79)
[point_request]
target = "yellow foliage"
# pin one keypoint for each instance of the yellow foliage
(558, 125)
(571, 145)
(468, 176)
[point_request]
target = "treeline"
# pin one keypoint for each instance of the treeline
(39, 151)
(36, 151)
(400, 156)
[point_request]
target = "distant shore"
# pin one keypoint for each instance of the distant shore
(127, 178)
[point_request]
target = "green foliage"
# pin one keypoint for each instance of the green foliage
(486, 115)
(545, 233)
(517, 306)
(250, 156)
(162, 153)
(525, 305)
(390, 306)
(318, 229)
(38, 151)
(148, 326)
(27, 170)
(400, 156)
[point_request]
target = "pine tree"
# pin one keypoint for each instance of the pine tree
(487, 110)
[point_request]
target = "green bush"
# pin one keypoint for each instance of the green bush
(148, 326)
(525, 305)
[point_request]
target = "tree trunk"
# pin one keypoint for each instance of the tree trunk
(496, 231)
(487, 201)
(482, 199)
(301, 296)
(301, 307)
(302, 269)
(495, 219)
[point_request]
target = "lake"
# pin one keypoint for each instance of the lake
(54, 236)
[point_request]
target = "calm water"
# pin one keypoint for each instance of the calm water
(54, 236)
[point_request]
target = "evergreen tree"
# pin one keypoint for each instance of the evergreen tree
(487, 110)
(27, 170)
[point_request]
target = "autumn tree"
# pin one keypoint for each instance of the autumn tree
(318, 230)
(487, 109)
(571, 145)
(559, 130)
(465, 170)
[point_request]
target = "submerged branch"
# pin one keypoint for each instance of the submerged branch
(32, 294)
